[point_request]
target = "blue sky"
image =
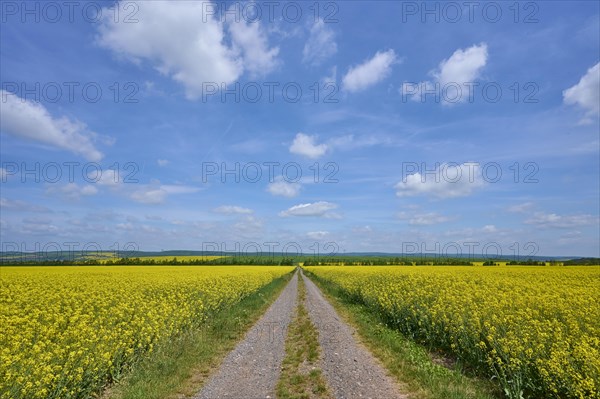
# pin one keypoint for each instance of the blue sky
(417, 125)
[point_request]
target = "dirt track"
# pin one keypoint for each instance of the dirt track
(350, 369)
(252, 369)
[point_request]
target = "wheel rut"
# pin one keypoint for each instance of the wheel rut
(350, 369)
(252, 369)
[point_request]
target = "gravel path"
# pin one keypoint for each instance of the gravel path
(349, 368)
(252, 369)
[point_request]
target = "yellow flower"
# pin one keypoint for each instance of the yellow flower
(530, 327)
(74, 327)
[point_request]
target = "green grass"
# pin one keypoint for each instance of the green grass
(419, 372)
(179, 368)
(301, 378)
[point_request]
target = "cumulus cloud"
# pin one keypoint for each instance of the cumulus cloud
(370, 72)
(29, 120)
(447, 181)
(251, 43)
(106, 177)
(282, 188)
(320, 44)
(452, 77)
(232, 209)
(182, 41)
(586, 94)
(463, 66)
(306, 145)
(318, 209)
(552, 220)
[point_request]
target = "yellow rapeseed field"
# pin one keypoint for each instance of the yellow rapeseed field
(534, 329)
(66, 331)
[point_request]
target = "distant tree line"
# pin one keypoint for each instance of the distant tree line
(583, 261)
(219, 261)
(155, 262)
(334, 261)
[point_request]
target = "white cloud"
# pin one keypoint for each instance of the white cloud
(249, 225)
(317, 235)
(282, 188)
(489, 228)
(29, 120)
(520, 208)
(106, 177)
(157, 194)
(232, 209)
(35, 226)
(463, 66)
(179, 189)
(553, 220)
(305, 145)
(72, 190)
(125, 226)
(447, 181)
(586, 94)
(453, 76)
(18, 205)
(183, 42)
(423, 219)
(320, 209)
(370, 72)
(89, 190)
(162, 162)
(320, 44)
(363, 229)
(251, 43)
(151, 196)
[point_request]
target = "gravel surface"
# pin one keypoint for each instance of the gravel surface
(349, 368)
(251, 370)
